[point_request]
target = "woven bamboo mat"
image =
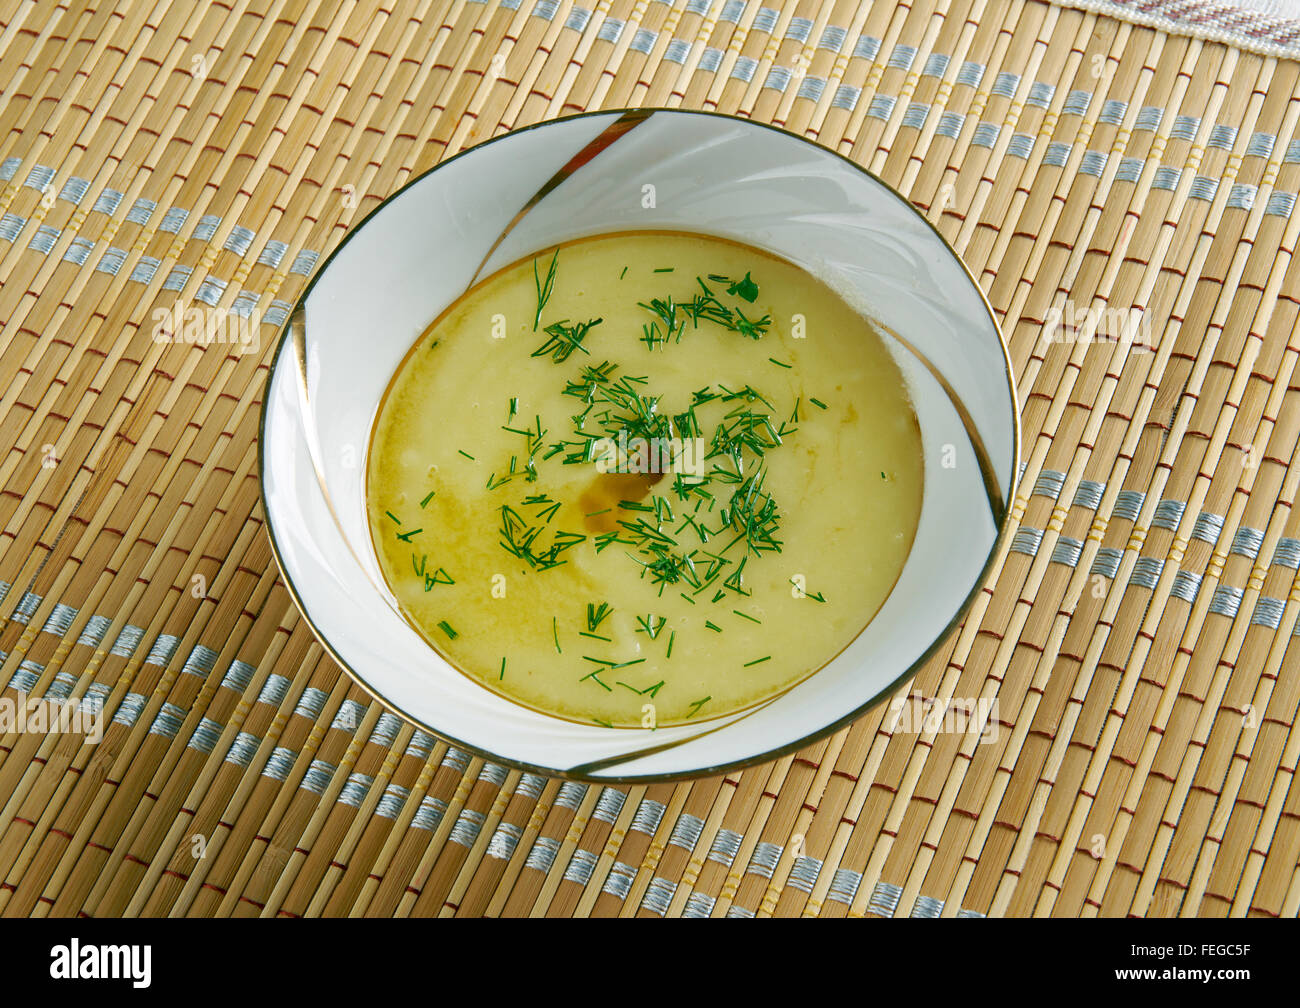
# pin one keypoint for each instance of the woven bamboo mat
(1139, 631)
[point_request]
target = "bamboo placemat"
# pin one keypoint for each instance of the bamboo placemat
(1139, 631)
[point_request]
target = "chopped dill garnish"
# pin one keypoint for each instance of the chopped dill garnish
(427, 499)
(602, 722)
(563, 339)
(596, 614)
(746, 616)
(544, 288)
(695, 707)
(555, 633)
(503, 669)
(394, 517)
(817, 402)
(780, 363)
(713, 626)
(446, 628)
(607, 640)
(757, 661)
(620, 276)
(651, 624)
(466, 454)
(671, 637)
(664, 269)
(406, 536)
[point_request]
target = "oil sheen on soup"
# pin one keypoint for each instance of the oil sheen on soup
(644, 478)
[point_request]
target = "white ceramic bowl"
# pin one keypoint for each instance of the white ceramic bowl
(587, 174)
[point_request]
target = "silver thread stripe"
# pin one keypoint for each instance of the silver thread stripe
(1222, 137)
(107, 203)
(884, 899)
(801, 28)
(129, 709)
(355, 789)
(1026, 540)
(272, 253)
(1268, 612)
(1287, 553)
(421, 745)
(833, 38)
(765, 20)
(658, 895)
(570, 794)
(902, 57)
(804, 872)
(493, 774)
(349, 716)
(210, 291)
(429, 814)
(43, 240)
(1247, 542)
(643, 41)
(59, 620)
(26, 608)
(648, 815)
(1226, 601)
(1166, 178)
(200, 661)
(1204, 188)
(1049, 483)
(1280, 204)
(1208, 527)
(970, 74)
(310, 704)
(243, 749)
(743, 70)
(385, 730)
(610, 30)
(844, 885)
(206, 227)
(1129, 504)
(505, 838)
(95, 696)
(699, 905)
(740, 911)
(778, 78)
(1056, 154)
(935, 65)
(1067, 551)
(1186, 585)
(916, 114)
(1185, 127)
(764, 859)
(1148, 118)
(950, 124)
(846, 97)
(530, 785)
(391, 801)
(969, 913)
(304, 261)
(1130, 169)
(1106, 562)
(1146, 571)
(173, 220)
(1112, 111)
(811, 89)
(317, 777)
(144, 270)
(177, 277)
(1005, 84)
(732, 10)
(25, 678)
(279, 763)
(1093, 163)
(927, 906)
(578, 19)
(455, 759)
(1241, 196)
(545, 9)
(206, 736)
(710, 60)
(609, 805)
(11, 225)
(74, 190)
(866, 47)
(141, 210)
(677, 51)
(1168, 514)
(619, 880)
(163, 649)
(881, 106)
(686, 832)
(77, 254)
(581, 866)
(1076, 103)
(238, 676)
(111, 261)
(542, 856)
(1040, 94)
(1292, 155)
(94, 631)
(62, 686)
(1021, 145)
(725, 846)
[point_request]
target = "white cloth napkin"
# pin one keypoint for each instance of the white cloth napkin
(1271, 27)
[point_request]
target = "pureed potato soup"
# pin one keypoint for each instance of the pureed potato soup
(644, 478)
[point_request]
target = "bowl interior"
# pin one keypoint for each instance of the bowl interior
(676, 170)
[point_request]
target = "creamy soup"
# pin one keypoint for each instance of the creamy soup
(644, 478)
